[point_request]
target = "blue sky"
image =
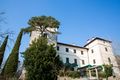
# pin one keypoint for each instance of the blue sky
(80, 19)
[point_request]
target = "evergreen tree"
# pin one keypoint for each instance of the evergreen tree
(2, 49)
(11, 64)
(108, 71)
(42, 23)
(41, 61)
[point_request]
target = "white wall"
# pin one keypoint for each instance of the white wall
(101, 55)
(52, 38)
(34, 35)
(96, 53)
(71, 55)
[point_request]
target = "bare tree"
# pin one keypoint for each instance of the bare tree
(1, 17)
(3, 34)
(116, 47)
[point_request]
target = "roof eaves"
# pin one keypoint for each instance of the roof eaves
(71, 45)
(96, 39)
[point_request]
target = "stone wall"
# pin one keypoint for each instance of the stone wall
(68, 78)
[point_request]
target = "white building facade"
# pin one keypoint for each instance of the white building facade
(73, 54)
(96, 52)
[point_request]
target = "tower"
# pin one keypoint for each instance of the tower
(100, 52)
(52, 38)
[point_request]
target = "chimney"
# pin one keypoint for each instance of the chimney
(89, 40)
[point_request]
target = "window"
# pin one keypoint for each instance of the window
(81, 52)
(106, 49)
(58, 48)
(75, 61)
(109, 60)
(83, 62)
(74, 51)
(92, 51)
(67, 50)
(94, 61)
(67, 60)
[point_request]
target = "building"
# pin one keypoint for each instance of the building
(73, 54)
(95, 52)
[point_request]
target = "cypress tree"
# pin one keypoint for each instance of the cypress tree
(11, 65)
(41, 61)
(2, 49)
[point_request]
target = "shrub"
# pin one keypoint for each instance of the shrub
(73, 74)
(101, 74)
(61, 73)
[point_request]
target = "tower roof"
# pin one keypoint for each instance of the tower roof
(97, 38)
